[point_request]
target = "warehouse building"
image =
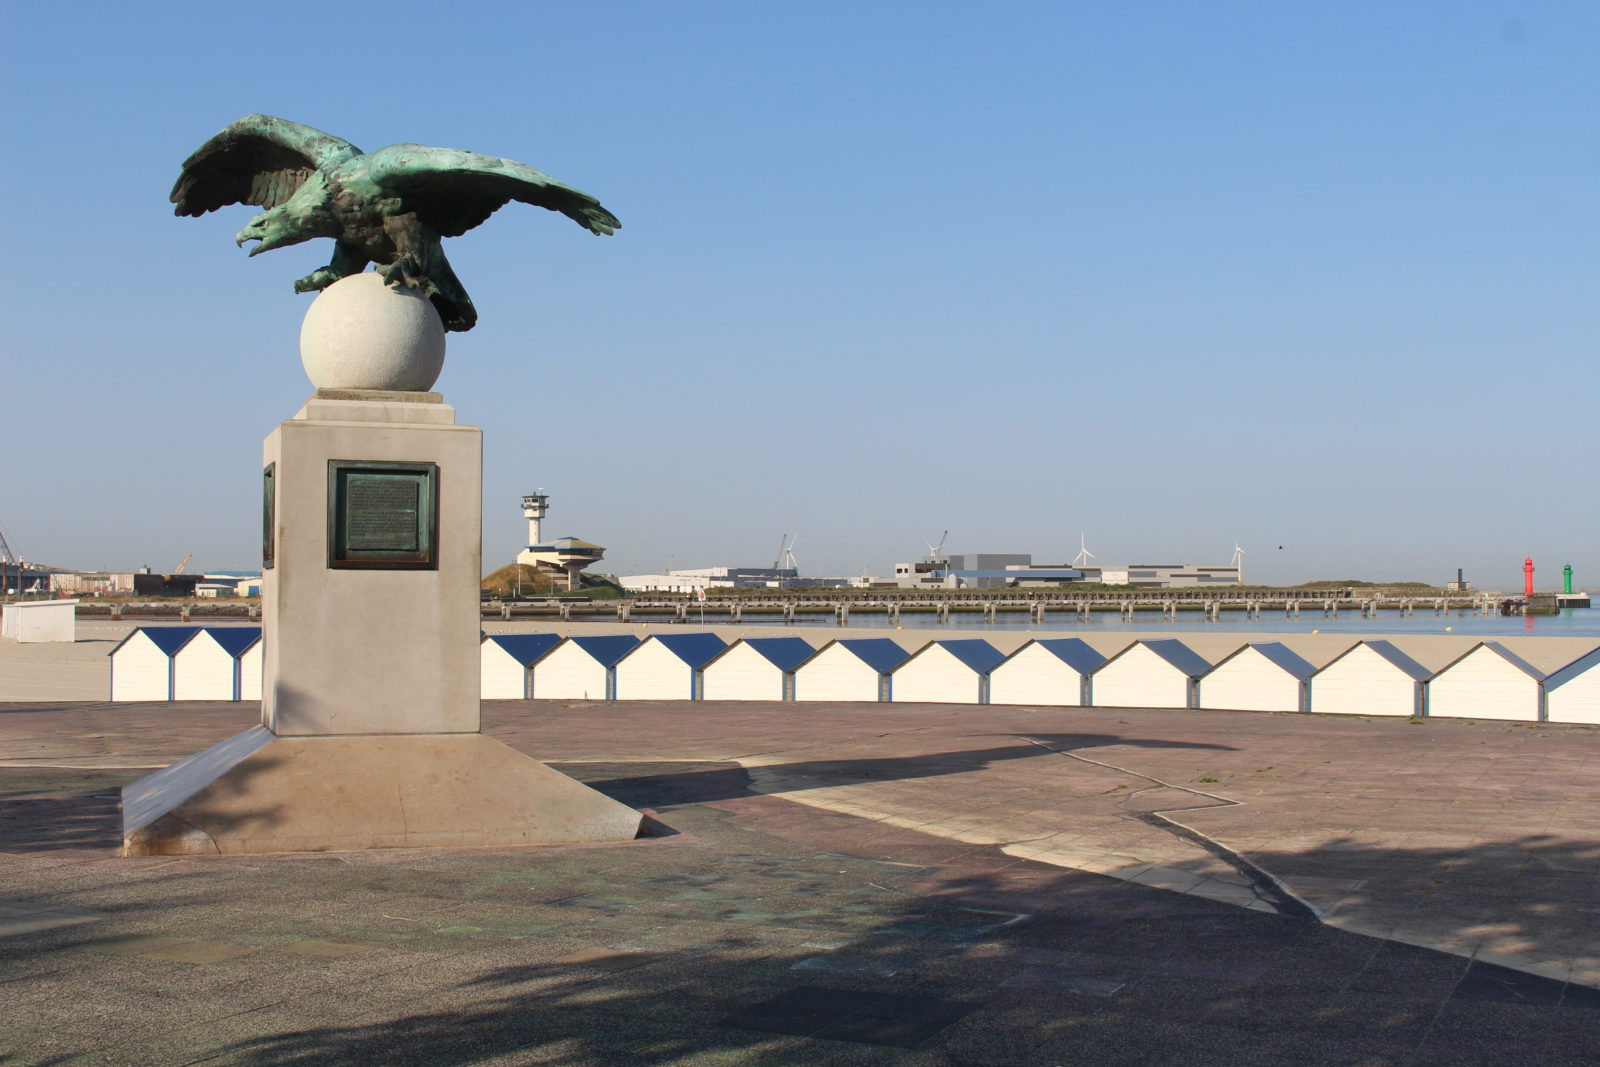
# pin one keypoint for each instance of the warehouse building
(125, 583)
(983, 570)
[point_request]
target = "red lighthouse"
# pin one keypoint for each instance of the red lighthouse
(1527, 576)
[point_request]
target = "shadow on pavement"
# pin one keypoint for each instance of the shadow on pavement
(724, 781)
(770, 932)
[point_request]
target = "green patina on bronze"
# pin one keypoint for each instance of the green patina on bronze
(388, 207)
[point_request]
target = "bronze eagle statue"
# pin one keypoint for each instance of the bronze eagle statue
(388, 207)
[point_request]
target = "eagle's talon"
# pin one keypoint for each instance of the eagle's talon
(317, 280)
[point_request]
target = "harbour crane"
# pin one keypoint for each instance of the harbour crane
(184, 563)
(8, 559)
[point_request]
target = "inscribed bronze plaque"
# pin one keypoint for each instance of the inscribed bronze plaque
(383, 515)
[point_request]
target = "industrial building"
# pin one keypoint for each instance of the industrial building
(979, 570)
(1165, 575)
(973, 570)
(123, 583)
(689, 581)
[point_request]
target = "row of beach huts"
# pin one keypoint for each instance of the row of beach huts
(1372, 677)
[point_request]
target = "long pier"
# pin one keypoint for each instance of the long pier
(1037, 607)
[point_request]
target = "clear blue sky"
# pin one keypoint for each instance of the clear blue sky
(1315, 275)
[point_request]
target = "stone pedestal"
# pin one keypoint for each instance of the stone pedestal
(369, 735)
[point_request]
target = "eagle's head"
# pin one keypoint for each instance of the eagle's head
(306, 214)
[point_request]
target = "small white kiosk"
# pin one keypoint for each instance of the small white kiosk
(1054, 671)
(665, 667)
(1149, 674)
(37, 621)
(754, 668)
(580, 667)
(141, 663)
(851, 669)
(1489, 682)
(1572, 694)
(1257, 677)
(1370, 678)
(209, 666)
(946, 672)
(506, 661)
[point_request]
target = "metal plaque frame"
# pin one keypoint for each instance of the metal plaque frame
(383, 515)
(269, 516)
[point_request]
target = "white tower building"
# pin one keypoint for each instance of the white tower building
(563, 556)
(534, 508)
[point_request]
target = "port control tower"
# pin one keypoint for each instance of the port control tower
(560, 557)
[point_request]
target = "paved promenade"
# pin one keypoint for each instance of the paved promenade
(918, 884)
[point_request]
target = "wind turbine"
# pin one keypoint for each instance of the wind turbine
(934, 551)
(1084, 555)
(788, 556)
(1238, 560)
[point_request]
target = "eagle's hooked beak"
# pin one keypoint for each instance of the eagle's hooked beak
(255, 231)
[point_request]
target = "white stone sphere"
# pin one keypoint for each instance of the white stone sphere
(360, 333)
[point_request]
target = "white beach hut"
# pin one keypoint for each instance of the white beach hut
(1572, 694)
(1148, 674)
(755, 668)
(1489, 682)
(1257, 677)
(665, 667)
(1370, 678)
(505, 663)
(208, 666)
(251, 665)
(1054, 671)
(946, 672)
(579, 668)
(141, 663)
(851, 669)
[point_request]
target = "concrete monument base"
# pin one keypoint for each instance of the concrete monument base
(256, 792)
(371, 555)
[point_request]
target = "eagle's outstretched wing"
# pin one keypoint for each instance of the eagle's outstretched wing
(452, 190)
(258, 160)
